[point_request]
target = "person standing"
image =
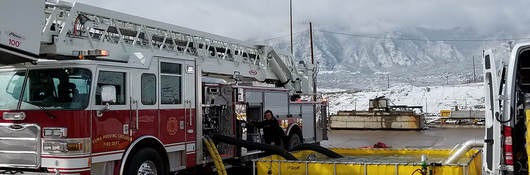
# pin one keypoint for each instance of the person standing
(272, 132)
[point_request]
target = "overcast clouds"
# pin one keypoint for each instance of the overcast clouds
(261, 19)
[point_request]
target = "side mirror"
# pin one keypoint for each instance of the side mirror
(108, 94)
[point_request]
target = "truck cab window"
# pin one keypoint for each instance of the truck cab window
(116, 79)
(65, 88)
(148, 89)
(170, 83)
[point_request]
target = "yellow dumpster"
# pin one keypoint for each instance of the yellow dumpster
(371, 162)
(445, 113)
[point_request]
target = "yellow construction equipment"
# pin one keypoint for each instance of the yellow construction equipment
(445, 113)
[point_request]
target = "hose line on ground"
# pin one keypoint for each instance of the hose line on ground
(253, 145)
(317, 148)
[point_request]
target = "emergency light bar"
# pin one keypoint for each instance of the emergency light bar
(90, 53)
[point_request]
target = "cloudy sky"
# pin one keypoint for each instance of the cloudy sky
(256, 20)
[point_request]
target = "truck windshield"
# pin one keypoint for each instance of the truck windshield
(42, 89)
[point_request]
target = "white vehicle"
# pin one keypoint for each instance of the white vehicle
(507, 98)
(85, 90)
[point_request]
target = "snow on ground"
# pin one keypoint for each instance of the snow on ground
(435, 98)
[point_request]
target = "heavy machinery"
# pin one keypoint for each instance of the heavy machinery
(507, 116)
(85, 90)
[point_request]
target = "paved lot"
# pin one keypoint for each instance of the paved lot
(430, 138)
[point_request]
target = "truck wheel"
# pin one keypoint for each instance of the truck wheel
(294, 140)
(147, 161)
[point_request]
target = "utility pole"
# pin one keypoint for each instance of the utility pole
(313, 62)
(426, 108)
(314, 73)
(474, 74)
(388, 80)
(426, 99)
(311, 42)
(291, 23)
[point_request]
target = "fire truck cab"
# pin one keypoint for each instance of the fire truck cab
(85, 90)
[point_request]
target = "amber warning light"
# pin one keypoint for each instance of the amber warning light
(90, 53)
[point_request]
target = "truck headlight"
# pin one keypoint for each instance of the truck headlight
(14, 116)
(66, 146)
(54, 132)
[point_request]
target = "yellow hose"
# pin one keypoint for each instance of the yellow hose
(219, 159)
(214, 154)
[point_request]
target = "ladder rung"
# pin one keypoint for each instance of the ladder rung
(149, 34)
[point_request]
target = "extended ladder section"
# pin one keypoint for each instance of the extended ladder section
(75, 29)
(80, 27)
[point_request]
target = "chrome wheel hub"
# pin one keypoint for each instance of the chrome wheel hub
(147, 168)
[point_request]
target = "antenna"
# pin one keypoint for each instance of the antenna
(291, 22)
(474, 72)
(313, 62)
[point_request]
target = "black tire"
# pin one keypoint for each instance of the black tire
(293, 141)
(146, 161)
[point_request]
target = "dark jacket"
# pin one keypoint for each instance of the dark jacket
(272, 132)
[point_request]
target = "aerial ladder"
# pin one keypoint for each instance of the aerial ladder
(67, 30)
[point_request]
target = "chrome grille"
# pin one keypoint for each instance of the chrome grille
(19, 145)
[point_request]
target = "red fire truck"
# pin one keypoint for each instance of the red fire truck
(85, 90)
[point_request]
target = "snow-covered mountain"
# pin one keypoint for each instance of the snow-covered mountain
(416, 56)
